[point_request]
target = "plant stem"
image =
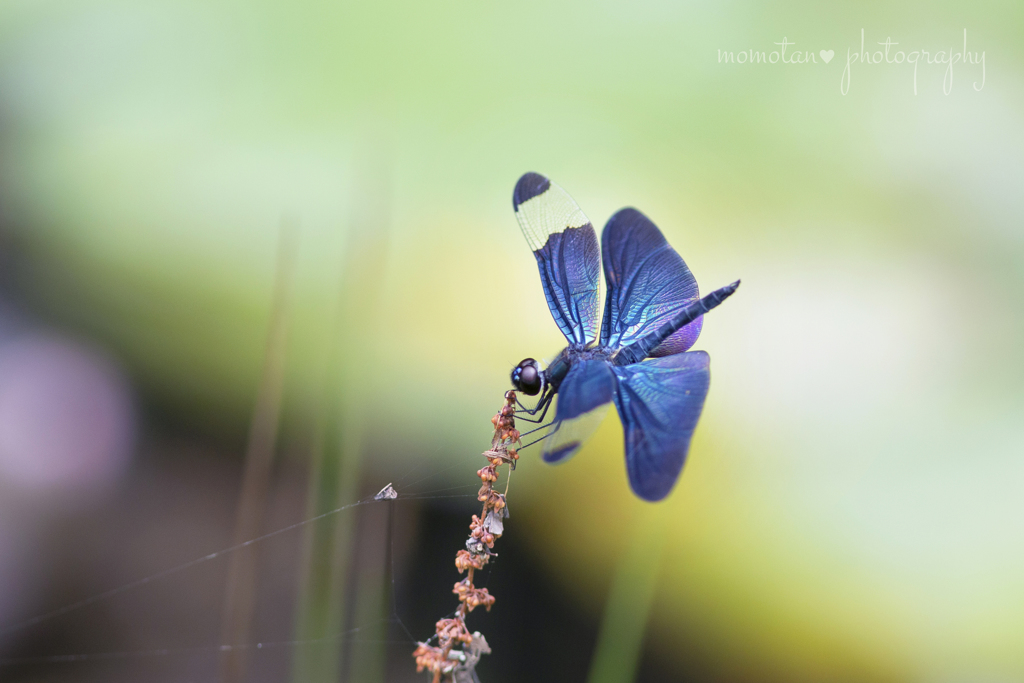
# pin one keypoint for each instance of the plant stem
(620, 642)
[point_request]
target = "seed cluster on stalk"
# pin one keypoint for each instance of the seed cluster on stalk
(457, 651)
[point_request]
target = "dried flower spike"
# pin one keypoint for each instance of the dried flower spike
(446, 661)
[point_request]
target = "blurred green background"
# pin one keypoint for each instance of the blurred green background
(851, 508)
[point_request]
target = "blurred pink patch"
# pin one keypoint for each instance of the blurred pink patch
(66, 417)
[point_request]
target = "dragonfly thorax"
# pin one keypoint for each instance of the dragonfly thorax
(528, 378)
(574, 353)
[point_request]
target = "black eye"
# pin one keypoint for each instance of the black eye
(527, 378)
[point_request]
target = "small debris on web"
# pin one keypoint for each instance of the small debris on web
(387, 493)
(465, 672)
(493, 523)
(509, 456)
(476, 547)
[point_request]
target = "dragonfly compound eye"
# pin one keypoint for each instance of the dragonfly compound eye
(526, 377)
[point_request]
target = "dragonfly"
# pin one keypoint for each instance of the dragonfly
(641, 362)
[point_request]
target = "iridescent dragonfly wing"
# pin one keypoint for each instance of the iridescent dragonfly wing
(583, 400)
(565, 245)
(647, 282)
(659, 402)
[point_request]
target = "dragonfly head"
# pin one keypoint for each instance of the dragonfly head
(528, 378)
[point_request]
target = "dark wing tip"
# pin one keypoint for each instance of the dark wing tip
(562, 453)
(632, 224)
(653, 490)
(528, 187)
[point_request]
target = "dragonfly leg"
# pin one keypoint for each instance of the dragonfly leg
(524, 409)
(544, 402)
(536, 429)
(539, 440)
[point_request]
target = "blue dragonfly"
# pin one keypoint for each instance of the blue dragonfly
(652, 316)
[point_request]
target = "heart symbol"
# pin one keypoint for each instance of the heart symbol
(826, 55)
